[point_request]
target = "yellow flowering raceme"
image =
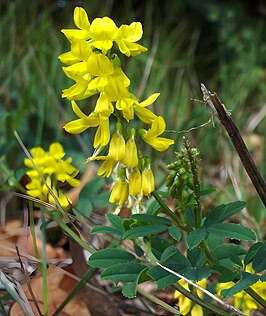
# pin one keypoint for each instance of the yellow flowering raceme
(94, 65)
(53, 169)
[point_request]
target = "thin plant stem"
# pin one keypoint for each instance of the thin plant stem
(256, 296)
(33, 234)
(28, 282)
(75, 290)
(159, 302)
(44, 263)
(167, 210)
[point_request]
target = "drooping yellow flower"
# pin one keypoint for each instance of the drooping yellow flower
(135, 182)
(131, 155)
(117, 147)
(147, 182)
(151, 136)
(120, 192)
(185, 304)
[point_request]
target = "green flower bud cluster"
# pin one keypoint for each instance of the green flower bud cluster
(180, 181)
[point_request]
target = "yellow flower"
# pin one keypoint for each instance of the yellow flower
(117, 147)
(147, 182)
(119, 193)
(151, 136)
(102, 135)
(131, 153)
(185, 304)
(135, 182)
(102, 32)
(126, 36)
(82, 22)
(84, 122)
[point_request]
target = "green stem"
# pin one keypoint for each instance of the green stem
(199, 301)
(75, 290)
(167, 210)
(157, 301)
(44, 264)
(69, 231)
(256, 296)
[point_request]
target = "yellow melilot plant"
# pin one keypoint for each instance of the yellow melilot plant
(94, 65)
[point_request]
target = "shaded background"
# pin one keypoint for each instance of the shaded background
(219, 43)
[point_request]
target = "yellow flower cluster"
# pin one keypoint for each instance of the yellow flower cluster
(96, 70)
(51, 166)
(242, 300)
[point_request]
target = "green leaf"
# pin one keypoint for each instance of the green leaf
(224, 251)
(197, 273)
(84, 208)
(151, 219)
(141, 231)
(175, 233)
(130, 288)
(115, 220)
(196, 237)
(139, 252)
(111, 256)
(263, 277)
(251, 252)
(234, 231)
(222, 212)
(246, 280)
(123, 272)
(259, 260)
(168, 253)
(158, 246)
(162, 277)
(101, 229)
(207, 191)
(153, 207)
(101, 199)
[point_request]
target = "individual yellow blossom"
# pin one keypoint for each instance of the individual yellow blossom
(135, 182)
(102, 31)
(151, 136)
(84, 122)
(242, 300)
(126, 36)
(107, 166)
(131, 156)
(81, 20)
(102, 135)
(185, 304)
(147, 182)
(117, 147)
(120, 192)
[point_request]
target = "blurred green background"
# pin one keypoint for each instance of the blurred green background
(219, 43)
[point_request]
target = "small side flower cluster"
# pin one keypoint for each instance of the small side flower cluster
(242, 300)
(51, 166)
(96, 70)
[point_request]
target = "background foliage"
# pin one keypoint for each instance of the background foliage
(219, 43)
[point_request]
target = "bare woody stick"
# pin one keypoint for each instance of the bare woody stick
(224, 116)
